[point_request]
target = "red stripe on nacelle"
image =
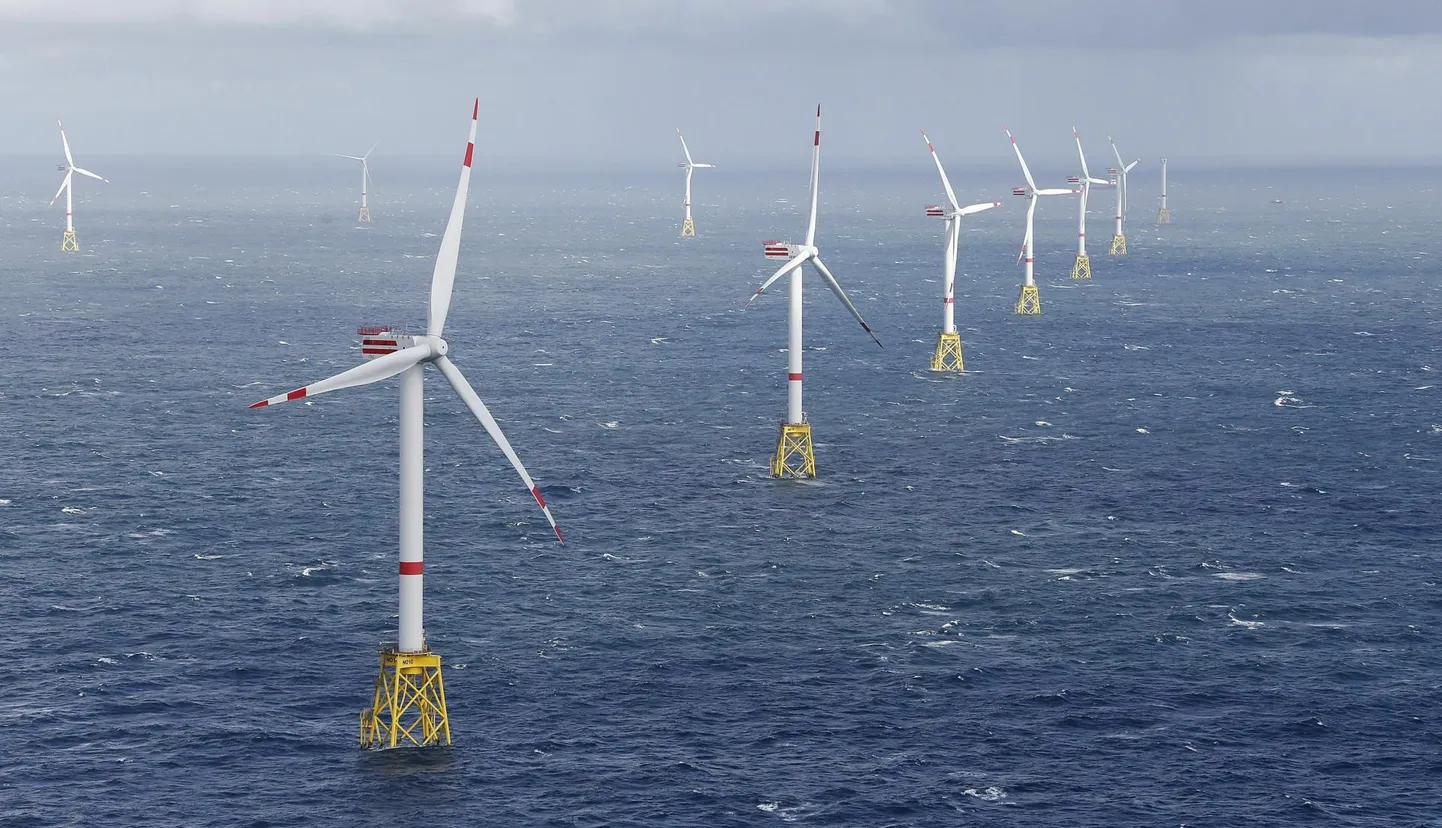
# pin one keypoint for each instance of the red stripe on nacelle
(412, 567)
(296, 394)
(793, 378)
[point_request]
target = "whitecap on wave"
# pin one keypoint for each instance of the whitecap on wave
(1238, 576)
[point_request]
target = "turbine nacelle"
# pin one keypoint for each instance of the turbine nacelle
(379, 340)
(785, 250)
(937, 211)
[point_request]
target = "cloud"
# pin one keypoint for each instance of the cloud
(1161, 24)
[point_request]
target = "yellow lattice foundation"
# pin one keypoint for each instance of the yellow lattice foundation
(794, 456)
(1029, 302)
(365, 215)
(1119, 245)
(410, 703)
(948, 353)
(1164, 216)
(688, 229)
(68, 244)
(1083, 267)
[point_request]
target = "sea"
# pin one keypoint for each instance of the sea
(1167, 554)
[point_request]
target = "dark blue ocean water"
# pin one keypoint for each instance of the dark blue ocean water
(1169, 554)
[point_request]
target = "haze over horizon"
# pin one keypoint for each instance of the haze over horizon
(606, 83)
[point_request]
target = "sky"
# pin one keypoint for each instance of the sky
(605, 83)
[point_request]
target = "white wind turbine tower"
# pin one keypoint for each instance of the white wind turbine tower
(68, 244)
(688, 227)
(794, 454)
(1082, 269)
(1029, 302)
(410, 705)
(1164, 216)
(365, 210)
(948, 346)
(1119, 241)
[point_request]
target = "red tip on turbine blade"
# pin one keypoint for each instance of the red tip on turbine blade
(476, 109)
(261, 404)
(470, 148)
(818, 110)
(557, 530)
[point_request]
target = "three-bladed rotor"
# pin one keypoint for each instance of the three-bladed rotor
(430, 347)
(808, 252)
(70, 168)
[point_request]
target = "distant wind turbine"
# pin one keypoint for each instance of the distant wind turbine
(688, 227)
(1119, 241)
(1082, 268)
(68, 244)
(365, 210)
(1028, 302)
(948, 346)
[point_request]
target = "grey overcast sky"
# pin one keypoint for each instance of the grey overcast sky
(593, 82)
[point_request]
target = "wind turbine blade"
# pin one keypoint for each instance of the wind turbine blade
(1024, 171)
(64, 182)
(91, 174)
(815, 171)
(683, 146)
(444, 277)
(1050, 191)
(786, 268)
(371, 150)
(473, 402)
(1116, 152)
(351, 157)
(703, 166)
(977, 208)
(1085, 173)
(70, 162)
(841, 294)
(364, 374)
(1128, 167)
(950, 196)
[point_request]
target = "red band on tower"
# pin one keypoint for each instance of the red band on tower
(412, 567)
(793, 378)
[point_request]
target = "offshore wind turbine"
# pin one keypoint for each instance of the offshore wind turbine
(794, 454)
(948, 345)
(1029, 302)
(1164, 216)
(1082, 268)
(688, 227)
(365, 210)
(68, 244)
(409, 706)
(1119, 241)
